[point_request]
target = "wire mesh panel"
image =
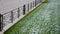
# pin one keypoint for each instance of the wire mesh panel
(35, 2)
(21, 11)
(39, 0)
(12, 15)
(18, 12)
(28, 7)
(31, 5)
(15, 14)
(6, 19)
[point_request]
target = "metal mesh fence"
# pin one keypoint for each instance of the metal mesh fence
(11, 16)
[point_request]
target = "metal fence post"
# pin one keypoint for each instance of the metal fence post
(12, 16)
(24, 9)
(35, 2)
(18, 12)
(1, 22)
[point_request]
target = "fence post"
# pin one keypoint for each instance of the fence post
(11, 16)
(1, 22)
(18, 12)
(35, 2)
(24, 9)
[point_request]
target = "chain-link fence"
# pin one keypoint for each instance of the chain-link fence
(11, 16)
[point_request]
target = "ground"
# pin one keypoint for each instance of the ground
(45, 19)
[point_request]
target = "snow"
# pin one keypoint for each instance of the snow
(8, 5)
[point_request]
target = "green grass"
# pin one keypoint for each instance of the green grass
(45, 19)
